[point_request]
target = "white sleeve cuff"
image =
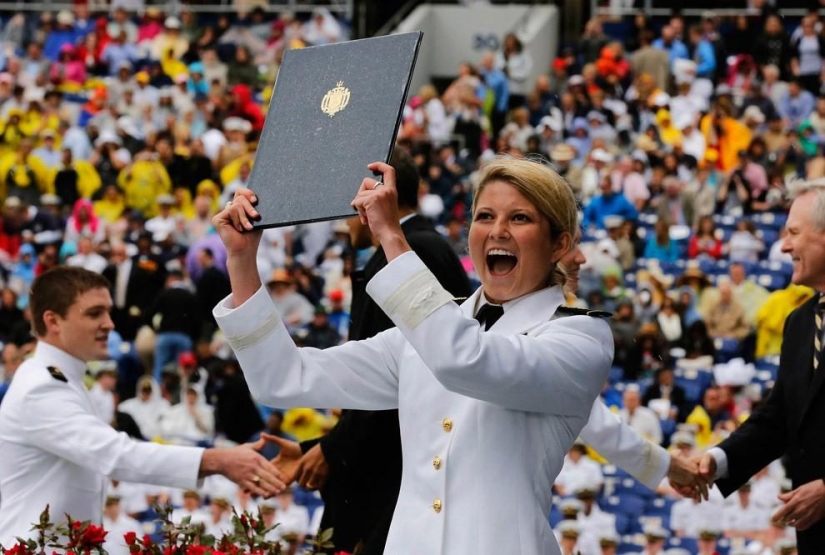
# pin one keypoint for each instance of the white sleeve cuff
(250, 323)
(721, 462)
(407, 291)
(657, 464)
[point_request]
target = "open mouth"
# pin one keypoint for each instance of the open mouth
(501, 262)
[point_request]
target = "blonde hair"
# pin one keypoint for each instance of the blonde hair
(427, 93)
(545, 189)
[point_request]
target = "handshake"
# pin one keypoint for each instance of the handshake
(692, 477)
(801, 508)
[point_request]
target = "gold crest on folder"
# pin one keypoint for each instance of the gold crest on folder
(335, 100)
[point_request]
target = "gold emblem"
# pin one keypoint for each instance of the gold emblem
(335, 100)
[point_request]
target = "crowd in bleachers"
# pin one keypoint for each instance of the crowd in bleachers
(122, 133)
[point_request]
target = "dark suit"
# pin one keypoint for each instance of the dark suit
(790, 423)
(364, 448)
(142, 287)
(677, 399)
(212, 287)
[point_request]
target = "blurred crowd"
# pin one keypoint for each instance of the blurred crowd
(123, 133)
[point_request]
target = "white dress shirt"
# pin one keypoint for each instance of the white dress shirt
(644, 421)
(114, 544)
(584, 473)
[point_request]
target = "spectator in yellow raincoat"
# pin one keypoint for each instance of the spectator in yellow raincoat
(112, 204)
(667, 131)
(770, 320)
(185, 206)
(143, 182)
(12, 132)
(726, 136)
(24, 175)
(74, 179)
(212, 191)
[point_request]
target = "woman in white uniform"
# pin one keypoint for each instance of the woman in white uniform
(486, 417)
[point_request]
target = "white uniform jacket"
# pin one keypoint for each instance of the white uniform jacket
(624, 447)
(55, 450)
(485, 418)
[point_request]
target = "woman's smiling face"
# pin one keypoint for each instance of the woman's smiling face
(511, 244)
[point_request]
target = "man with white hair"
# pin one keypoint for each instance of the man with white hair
(774, 88)
(790, 423)
(640, 418)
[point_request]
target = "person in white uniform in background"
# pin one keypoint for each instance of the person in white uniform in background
(116, 523)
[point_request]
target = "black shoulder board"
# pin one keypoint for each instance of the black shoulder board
(575, 311)
(57, 374)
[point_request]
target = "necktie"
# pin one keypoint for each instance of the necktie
(489, 315)
(819, 316)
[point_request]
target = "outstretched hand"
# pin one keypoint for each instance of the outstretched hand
(309, 469)
(289, 456)
(803, 507)
(245, 466)
(314, 469)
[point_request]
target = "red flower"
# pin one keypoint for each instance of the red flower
(94, 535)
(18, 549)
(147, 541)
(195, 550)
(76, 525)
(130, 538)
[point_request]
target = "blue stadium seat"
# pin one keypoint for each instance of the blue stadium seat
(623, 524)
(670, 267)
(771, 282)
(768, 236)
(554, 517)
(668, 427)
(770, 219)
(707, 265)
(683, 543)
(694, 388)
(724, 233)
(766, 370)
(661, 506)
(654, 520)
(776, 267)
(309, 499)
(723, 546)
(648, 220)
(625, 503)
(726, 349)
(628, 548)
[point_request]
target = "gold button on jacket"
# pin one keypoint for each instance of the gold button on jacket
(437, 505)
(436, 462)
(447, 424)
